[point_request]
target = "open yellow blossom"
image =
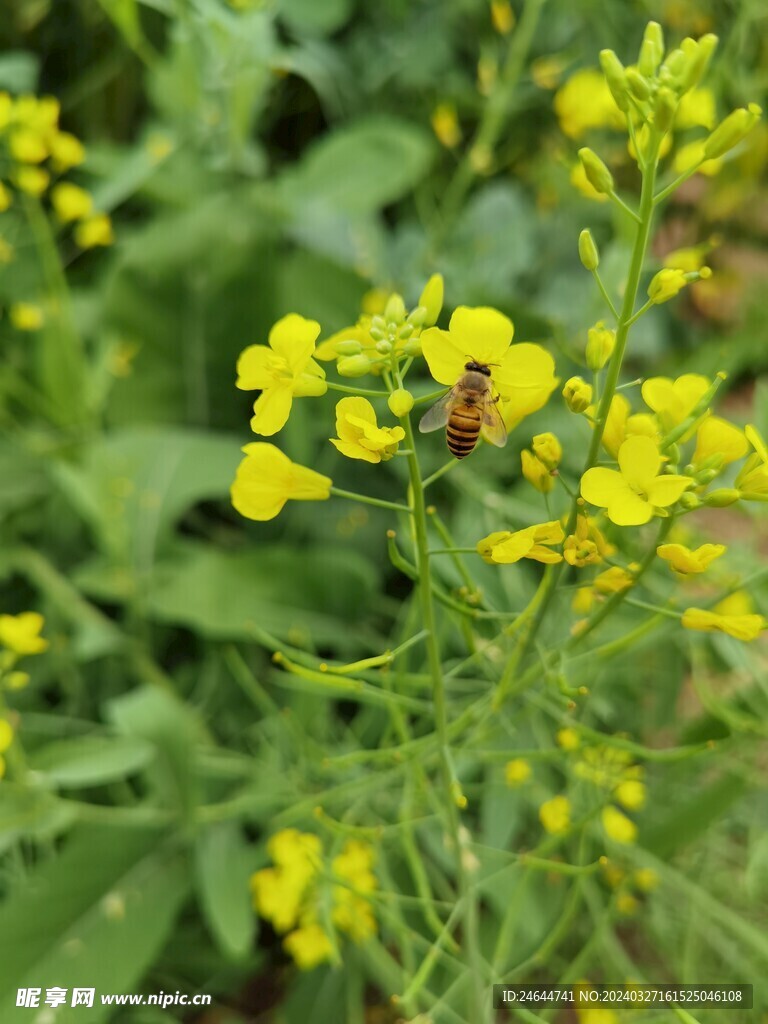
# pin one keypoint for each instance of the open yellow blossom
(674, 400)
(555, 815)
(32, 180)
(71, 202)
(26, 317)
(633, 493)
(517, 771)
(28, 147)
(352, 913)
(691, 258)
(618, 826)
(309, 946)
(66, 151)
(503, 547)
(619, 425)
(21, 633)
(93, 231)
(522, 374)
(445, 125)
(631, 794)
(719, 443)
(697, 109)
(752, 479)
(359, 436)
(584, 101)
(282, 371)
(721, 619)
(685, 562)
(266, 479)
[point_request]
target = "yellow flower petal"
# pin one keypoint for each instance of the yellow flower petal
(272, 409)
(741, 627)
(673, 401)
(481, 334)
(717, 436)
(21, 633)
(293, 337)
(665, 490)
(600, 486)
(685, 562)
(253, 368)
(639, 461)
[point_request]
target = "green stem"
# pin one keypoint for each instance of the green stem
(453, 795)
(623, 206)
(553, 572)
(366, 500)
(604, 293)
(333, 386)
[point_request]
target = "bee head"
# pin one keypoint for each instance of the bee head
(484, 368)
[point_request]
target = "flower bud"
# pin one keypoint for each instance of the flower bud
(600, 345)
(731, 131)
(548, 450)
(400, 402)
(412, 348)
(394, 311)
(638, 85)
(384, 347)
(598, 175)
(577, 394)
(348, 348)
(536, 473)
(722, 497)
(616, 78)
(664, 109)
(690, 501)
(666, 284)
(417, 316)
(647, 62)
(431, 299)
(654, 35)
(405, 331)
(698, 56)
(588, 253)
(377, 333)
(354, 366)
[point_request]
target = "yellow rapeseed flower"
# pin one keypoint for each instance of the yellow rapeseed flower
(631, 495)
(692, 155)
(719, 443)
(71, 202)
(752, 479)
(587, 545)
(504, 548)
(502, 16)
(568, 739)
(522, 374)
(547, 449)
(685, 562)
(21, 633)
(6, 739)
(282, 370)
(722, 619)
(309, 946)
(612, 580)
(618, 826)
(32, 180)
(584, 101)
(359, 436)
(6, 198)
(631, 794)
(619, 425)
(25, 316)
(266, 479)
(646, 879)
(674, 400)
(352, 913)
(666, 284)
(66, 151)
(577, 394)
(517, 771)
(27, 147)
(93, 231)
(697, 109)
(555, 815)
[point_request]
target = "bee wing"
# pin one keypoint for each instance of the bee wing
(437, 415)
(494, 429)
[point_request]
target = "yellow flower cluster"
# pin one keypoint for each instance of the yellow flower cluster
(19, 638)
(6, 739)
(308, 900)
(38, 152)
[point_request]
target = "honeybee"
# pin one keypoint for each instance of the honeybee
(468, 407)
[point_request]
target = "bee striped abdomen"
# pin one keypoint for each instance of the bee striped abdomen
(463, 430)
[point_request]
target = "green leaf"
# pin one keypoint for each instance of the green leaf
(222, 869)
(682, 823)
(31, 814)
(93, 917)
(284, 590)
(91, 760)
(174, 730)
(361, 167)
(313, 18)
